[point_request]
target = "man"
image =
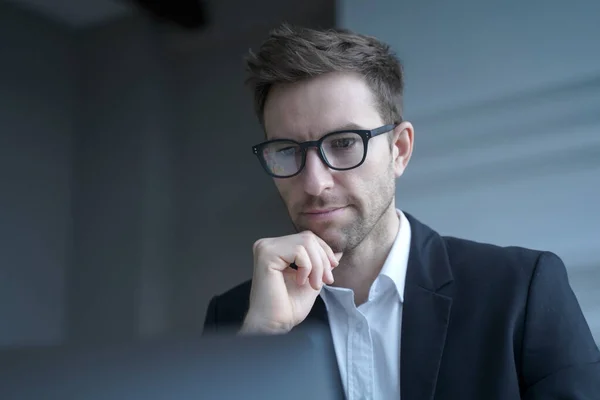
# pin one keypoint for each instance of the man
(413, 315)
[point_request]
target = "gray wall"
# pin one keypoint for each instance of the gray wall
(37, 103)
(123, 194)
(505, 99)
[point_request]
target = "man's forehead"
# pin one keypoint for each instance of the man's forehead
(315, 133)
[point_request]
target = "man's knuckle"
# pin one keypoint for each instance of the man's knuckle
(307, 235)
(309, 240)
(299, 250)
(258, 245)
(262, 245)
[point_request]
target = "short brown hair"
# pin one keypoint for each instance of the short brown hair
(291, 54)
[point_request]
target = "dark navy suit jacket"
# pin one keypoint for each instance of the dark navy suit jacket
(479, 322)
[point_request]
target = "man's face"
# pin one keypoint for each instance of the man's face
(341, 207)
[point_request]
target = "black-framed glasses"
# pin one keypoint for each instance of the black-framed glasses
(339, 150)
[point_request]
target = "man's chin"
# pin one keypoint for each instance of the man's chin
(330, 235)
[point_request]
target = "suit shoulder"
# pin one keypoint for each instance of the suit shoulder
(236, 296)
(471, 259)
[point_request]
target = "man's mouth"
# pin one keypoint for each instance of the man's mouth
(322, 213)
(321, 210)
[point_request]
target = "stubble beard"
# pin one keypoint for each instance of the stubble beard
(370, 225)
(367, 222)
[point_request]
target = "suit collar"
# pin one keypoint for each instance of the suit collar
(426, 312)
(428, 263)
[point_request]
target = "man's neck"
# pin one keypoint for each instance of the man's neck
(360, 267)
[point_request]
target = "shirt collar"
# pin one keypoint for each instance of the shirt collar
(396, 263)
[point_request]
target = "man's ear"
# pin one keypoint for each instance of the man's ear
(402, 146)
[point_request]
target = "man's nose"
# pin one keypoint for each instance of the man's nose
(316, 176)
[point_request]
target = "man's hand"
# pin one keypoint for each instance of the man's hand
(282, 297)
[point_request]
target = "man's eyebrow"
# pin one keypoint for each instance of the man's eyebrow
(350, 126)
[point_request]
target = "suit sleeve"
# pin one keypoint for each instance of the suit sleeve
(560, 358)
(210, 320)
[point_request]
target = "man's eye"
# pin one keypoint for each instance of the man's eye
(343, 143)
(287, 151)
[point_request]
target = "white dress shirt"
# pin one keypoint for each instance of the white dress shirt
(367, 338)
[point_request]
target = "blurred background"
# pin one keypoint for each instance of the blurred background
(130, 195)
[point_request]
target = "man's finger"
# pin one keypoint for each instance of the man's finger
(303, 265)
(330, 255)
(316, 275)
(327, 275)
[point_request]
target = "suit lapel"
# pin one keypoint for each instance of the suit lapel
(425, 312)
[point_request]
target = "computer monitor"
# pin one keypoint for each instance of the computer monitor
(299, 365)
